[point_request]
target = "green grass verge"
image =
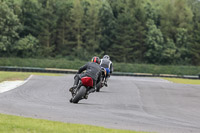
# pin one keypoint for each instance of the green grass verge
(184, 81)
(9, 76)
(118, 67)
(16, 124)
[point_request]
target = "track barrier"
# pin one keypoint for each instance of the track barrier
(70, 71)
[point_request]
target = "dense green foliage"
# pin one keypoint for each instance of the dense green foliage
(118, 67)
(147, 31)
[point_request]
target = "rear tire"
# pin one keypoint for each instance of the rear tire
(98, 86)
(79, 94)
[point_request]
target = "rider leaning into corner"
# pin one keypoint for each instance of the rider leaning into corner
(93, 70)
(107, 64)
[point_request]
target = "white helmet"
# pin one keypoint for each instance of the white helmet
(106, 57)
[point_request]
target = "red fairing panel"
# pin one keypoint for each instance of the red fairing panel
(87, 81)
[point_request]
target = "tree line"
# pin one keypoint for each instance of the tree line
(147, 31)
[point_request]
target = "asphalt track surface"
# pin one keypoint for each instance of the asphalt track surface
(133, 103)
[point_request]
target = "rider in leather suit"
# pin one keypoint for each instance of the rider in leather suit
(107, 64)
(93, 70)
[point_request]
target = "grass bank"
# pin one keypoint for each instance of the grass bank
(16, 124)
(184, 81)
(9, 76)
(119, 67)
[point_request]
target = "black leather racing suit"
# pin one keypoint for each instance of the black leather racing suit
(93, 70)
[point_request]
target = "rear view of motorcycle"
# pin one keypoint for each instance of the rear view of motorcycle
(81, 91)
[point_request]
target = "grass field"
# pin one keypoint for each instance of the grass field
(118, 67)
(184, 81)
(16, 124)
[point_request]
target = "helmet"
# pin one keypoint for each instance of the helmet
(106, 57)
(96, 59)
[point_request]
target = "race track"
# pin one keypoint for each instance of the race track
(133, 103)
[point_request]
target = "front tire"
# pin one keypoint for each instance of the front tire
(79, 94)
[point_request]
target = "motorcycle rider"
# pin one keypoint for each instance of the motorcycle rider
(107, 64)
(93, 70)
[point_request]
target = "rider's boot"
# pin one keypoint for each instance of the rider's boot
(105, 83)
(76, 80)
(72, 88)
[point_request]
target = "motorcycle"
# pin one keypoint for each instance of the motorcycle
(80, 92)
(101, 84)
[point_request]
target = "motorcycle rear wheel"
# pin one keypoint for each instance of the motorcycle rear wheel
(98, 86)
(79, 94)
